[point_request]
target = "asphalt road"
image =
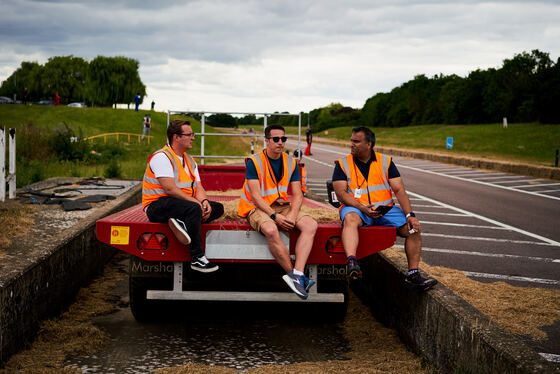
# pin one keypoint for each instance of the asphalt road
(493, 226)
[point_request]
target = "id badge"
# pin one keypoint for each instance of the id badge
(357, 193)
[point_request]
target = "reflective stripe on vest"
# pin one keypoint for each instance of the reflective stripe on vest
(186, 181)
(270, 191)
(377, 189)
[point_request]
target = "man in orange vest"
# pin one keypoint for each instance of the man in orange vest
(265, 203)
(363, 182)
(172, 193)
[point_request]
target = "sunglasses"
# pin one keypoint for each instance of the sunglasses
(186, 134)
(276, 139)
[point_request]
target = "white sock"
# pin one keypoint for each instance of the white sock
(297, 272)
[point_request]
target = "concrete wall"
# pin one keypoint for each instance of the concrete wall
(441, 326)
(48, 286)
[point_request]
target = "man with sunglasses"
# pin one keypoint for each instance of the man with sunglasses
(268, 209)
(363, 182)
(172, 193)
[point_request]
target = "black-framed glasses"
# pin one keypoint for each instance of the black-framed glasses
(276, 139)
(187, 134)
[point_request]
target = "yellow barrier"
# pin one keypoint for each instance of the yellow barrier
(138, 136)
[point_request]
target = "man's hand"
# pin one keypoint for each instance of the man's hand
(206, 209)
(413, 224)
(285, 222)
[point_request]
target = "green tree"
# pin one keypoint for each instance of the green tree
(28, 75)
(113, 80)
(65, 75)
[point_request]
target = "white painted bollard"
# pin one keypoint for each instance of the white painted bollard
(11, 179)
(12, 166)
(2, 164)
(505, 122)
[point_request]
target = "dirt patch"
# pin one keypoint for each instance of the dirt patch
(520, 310)
(15, 220)
(74, 332)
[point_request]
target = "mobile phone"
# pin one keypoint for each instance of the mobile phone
(383, 209)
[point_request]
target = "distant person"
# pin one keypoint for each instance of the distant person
(172, 193)
(56, 99)
(264, 202)
(309, 139)
(137, 100)
(147, 126)
(363, 181)
(153, 104)
(25, 95)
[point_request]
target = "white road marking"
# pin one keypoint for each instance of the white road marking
(497, 223)
(462, 225)
(518, 180)
(545, 191)
(481, 238)
(550, 357)
(442, 214)
(503, 177)
(536, 185)
(483, 254)
(511, 278)
(483, 183)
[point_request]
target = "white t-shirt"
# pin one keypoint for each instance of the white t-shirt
(162, 167)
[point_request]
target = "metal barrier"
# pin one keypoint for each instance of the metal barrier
(202, 134)
(139, 136)
(11, 179)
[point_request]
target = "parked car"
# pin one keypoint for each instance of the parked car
(77, 105)
(44, 102)
(6, 100)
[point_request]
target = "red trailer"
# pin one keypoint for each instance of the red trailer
(157, 270)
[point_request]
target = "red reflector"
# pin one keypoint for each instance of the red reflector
(334, 245)
(152, 240)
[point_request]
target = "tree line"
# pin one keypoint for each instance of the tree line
(526, 88)
(104, 81)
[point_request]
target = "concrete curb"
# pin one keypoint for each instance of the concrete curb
(441, 326)
(508, 167)
(48, 284)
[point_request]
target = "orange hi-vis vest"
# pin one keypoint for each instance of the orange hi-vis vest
(271, 189)
(303, 177)
(152, 190)
(373, 190)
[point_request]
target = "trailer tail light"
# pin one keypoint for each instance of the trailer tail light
(153, 240)
(334, 245)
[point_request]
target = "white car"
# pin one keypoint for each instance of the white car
(77, 105)
(5, 100)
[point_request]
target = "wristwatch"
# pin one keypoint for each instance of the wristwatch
(411, 214)
(273, 216)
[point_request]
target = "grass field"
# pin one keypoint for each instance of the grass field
(130, 158)
(521, 142)
(524, 143)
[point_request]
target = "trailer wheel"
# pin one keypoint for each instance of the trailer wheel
(140, 307)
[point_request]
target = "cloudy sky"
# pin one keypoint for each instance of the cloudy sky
(271, 55)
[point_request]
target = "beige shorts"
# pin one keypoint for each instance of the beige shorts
(257, 217)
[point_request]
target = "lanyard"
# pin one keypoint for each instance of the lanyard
(360, 185)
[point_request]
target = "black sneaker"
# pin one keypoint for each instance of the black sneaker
(180, 230)
(417, 282)
(353, 270)
(296, 283)
(203, 265)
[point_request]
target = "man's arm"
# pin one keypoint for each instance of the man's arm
(340, 188)
(297, 200)
(171, 189)
(397, 186)
(201, 196)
